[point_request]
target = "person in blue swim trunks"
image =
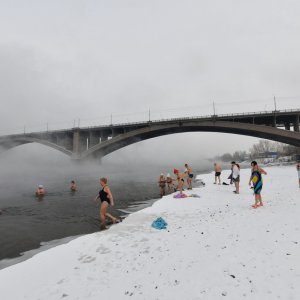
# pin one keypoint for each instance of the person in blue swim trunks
(256, 179)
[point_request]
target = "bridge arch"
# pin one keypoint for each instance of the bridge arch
(11, 142)
(156, 130)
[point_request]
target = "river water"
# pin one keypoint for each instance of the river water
(26, 222)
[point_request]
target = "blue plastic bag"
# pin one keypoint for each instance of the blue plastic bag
(159, 224)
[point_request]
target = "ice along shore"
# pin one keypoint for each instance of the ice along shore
(215, 247)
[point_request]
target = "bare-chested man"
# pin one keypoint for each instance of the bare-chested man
(218, 171)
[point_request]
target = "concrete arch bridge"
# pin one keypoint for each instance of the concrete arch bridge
(82, 143)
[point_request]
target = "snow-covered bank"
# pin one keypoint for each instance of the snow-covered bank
(215, 246)
(4, 263)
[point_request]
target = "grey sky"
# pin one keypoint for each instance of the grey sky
(63, 60)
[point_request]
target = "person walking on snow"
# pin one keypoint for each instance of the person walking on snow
(256, 179)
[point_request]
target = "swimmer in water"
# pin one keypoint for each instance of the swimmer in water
(73, 186)
(40, 191)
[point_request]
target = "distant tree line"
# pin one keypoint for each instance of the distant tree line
(258, 149)
(236, 156)
(265, 146)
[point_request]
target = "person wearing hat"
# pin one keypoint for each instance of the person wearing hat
(162, 184)
(40, 191)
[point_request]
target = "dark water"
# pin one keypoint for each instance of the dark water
(26, 222)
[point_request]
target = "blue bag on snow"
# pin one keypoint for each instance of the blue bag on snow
(159, 224)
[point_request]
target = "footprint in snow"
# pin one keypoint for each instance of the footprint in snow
(89, 259)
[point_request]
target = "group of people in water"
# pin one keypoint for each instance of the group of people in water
(40, 191)
(177, 183)
(105, 196)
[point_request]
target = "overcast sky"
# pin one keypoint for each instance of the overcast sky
(64, 60)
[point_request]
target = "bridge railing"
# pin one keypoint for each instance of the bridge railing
(196, 118)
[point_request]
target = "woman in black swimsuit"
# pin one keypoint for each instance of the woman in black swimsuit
(107, 200)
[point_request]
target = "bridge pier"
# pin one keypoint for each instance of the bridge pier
(79, 142)
(296, 124)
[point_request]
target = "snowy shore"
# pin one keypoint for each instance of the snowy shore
(214, 247)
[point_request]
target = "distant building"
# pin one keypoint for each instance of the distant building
(296, 157)
(268, 154)
(285, 159)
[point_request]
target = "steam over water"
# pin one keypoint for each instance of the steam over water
(26, 222)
